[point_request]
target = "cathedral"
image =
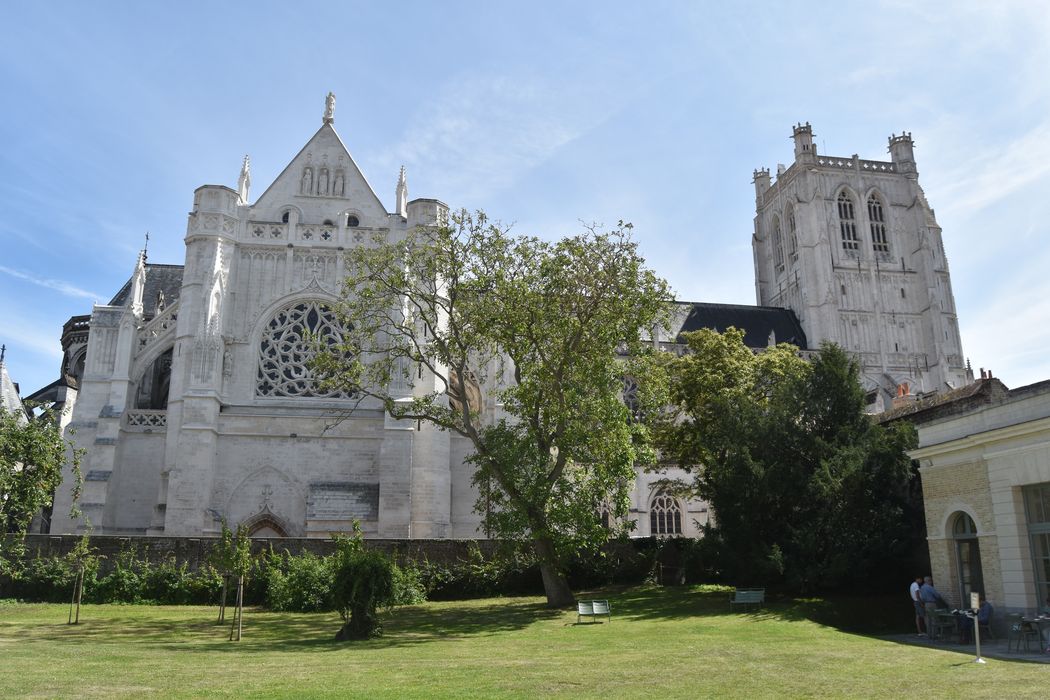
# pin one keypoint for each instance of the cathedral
(192, 396)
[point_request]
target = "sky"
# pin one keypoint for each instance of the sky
(547, 115)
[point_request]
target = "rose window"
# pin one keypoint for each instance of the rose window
(288, 343)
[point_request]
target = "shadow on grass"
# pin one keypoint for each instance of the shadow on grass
(291, 632)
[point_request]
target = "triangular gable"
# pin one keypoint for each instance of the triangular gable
(325, 155)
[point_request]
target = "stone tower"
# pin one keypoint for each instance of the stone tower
(853, 248)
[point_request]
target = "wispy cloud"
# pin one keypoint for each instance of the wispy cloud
(482, 132)
(997, 173)
(57, 285)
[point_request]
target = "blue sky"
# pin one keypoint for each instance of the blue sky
(543, 114)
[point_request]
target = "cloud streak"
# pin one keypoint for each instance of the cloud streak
(57, 285)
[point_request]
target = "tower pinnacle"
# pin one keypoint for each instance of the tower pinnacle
(244, 182)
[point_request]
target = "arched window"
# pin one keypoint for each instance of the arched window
(847, 222)
(284, 218)
(968, 556)
(665, 515)
(352, 221)
(877, 220)
(287, 346)
(778, 245)
(792, 236)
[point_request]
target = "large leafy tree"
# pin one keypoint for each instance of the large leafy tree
(463, 307)
(32, 456)
(804, 485)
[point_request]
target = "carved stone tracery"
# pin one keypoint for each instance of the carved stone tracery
(288, 343)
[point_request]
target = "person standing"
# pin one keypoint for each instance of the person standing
(931, 600)
(917, 606)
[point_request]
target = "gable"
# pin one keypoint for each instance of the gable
(323, 182)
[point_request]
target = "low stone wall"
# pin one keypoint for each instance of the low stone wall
(194, 550)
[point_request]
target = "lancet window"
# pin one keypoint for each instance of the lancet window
(288, 344)
(778, 245)
(847, 222)
(792, 236)
(877, 220)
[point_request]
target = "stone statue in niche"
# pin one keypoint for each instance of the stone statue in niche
(160, 303)
(227, 364)
(337, 188)
(322, 181)
(308, 181)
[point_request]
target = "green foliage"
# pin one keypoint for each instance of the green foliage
(363, 582)
(455, 303)
(807, 489)
(32, 456)
(299, 584)
(513, 573)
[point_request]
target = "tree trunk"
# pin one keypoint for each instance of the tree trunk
(80, 593)
(222, 600)
(75, 600)
(238, 611)
(559, 595)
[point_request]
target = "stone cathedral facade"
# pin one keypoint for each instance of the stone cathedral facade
(191, 393)
(853, 248)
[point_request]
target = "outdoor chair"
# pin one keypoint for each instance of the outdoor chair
(1019, 630)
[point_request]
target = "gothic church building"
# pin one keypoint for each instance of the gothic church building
(191, 393)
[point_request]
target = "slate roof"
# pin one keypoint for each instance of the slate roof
(166, 278)
(756, 321)
(982, 392)
(9, 399)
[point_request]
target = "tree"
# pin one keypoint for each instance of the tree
(32, 456)
(464, 305)
(803, 484)
(362, 582)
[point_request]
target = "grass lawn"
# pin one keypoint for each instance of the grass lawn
(662, 643)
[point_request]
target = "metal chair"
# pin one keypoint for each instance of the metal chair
(1019, 630)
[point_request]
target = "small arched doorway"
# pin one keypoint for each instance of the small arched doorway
(967, 556)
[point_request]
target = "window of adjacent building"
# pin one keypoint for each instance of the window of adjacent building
(792, 236)
(968, 556)
(665, 515)
(778, 244)
(287, 346)
(847, 222)
(877, 220)
(1037, 506)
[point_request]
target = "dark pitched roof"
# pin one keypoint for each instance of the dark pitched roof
(757, 322)
(159, 278)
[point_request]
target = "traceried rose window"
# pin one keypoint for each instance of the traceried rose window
(288, 344)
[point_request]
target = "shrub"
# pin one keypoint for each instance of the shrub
(408, 586)
(299, 584)
(363, 582)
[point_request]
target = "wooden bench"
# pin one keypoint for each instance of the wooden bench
(592, 608)
(748, 596)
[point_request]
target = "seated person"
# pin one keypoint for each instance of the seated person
(984, 617)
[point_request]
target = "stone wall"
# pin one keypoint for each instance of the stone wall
(194, 550)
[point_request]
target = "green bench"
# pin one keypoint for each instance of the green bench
(592, 608)
(748, 596)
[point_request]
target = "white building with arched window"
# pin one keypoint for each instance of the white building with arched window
(984, 460)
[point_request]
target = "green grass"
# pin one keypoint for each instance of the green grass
(662, 643)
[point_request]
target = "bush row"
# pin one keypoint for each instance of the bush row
(304, 582)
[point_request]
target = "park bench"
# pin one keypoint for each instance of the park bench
(748, 596)
(592, 608)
